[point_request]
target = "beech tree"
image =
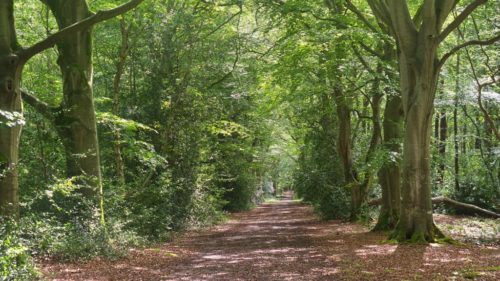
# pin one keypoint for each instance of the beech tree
(80, 121)
(418, 39)
(389, 175)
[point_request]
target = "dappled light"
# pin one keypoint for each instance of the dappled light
(284, 241)
(228, 140)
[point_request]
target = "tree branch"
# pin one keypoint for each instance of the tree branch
(236, 59)
(418, 17)
(40, 106)
(381, 13)
(405, 29)
(465, 206)
(480, 86)
(50, 41)
(444, 9)
(360, 16)
(466, 44)
(460, 18)
(371, 51)
(224, 23)
(363, 61)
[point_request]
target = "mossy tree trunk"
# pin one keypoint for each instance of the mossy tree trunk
(10, 112)
(390, 173)
(416, 220)
(12, 60)
(418, 39)
(76, 121)
(360, 191)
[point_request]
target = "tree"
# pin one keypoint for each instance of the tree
(13, 58)
(11, 111)
(418, 40)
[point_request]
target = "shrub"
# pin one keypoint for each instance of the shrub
(15, 259)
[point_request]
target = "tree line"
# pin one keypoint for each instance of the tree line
(154, 116)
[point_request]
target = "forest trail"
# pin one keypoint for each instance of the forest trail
(284, 240)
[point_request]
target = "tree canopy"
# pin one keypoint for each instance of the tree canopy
(132, 121)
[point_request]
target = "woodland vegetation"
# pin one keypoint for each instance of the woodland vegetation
(123, 123)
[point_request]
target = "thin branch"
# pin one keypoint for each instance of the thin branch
(480, 87)
(466, 44)
(224, 23)
(485, 54)
(363, 61)
(371, 51)
(486, 163)
(50, 41)
(360, 115)
(460, 18)
(360, 16)
(235, 63)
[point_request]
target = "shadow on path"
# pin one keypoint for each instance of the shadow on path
(283, 241)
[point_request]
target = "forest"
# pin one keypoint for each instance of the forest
(249, 140)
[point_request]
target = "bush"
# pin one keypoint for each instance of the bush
(319, 179)
(88, 241)
(333, 203)
(15, 259)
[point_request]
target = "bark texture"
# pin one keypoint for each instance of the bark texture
(390, 173)
(418, 39)
(76, 121)
(120, 68)
(10, 112)
(345, 149)
(443, 136)
(360, 191)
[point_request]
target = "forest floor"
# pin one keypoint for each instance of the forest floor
(284, 240)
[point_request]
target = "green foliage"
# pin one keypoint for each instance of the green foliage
(333, 203)
(15, 258)
(225, 99)
(11, 119)
(116, 123)
(319, 178)
(89, 241)
(65, 201)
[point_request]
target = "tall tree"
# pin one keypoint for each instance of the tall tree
(76, 121)
(10, 111)
(13, 58)
(418, 39)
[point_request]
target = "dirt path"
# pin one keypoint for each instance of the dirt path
(285, 241)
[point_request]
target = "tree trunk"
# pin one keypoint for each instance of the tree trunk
(418, 84)
(418, 38)
(76, 122)
(436, 129)
(443, 135)
(120, 67)
(455, 127)
(10, 113)
(345, 151)
(344, 139)
(360, 191)
(390, 173)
